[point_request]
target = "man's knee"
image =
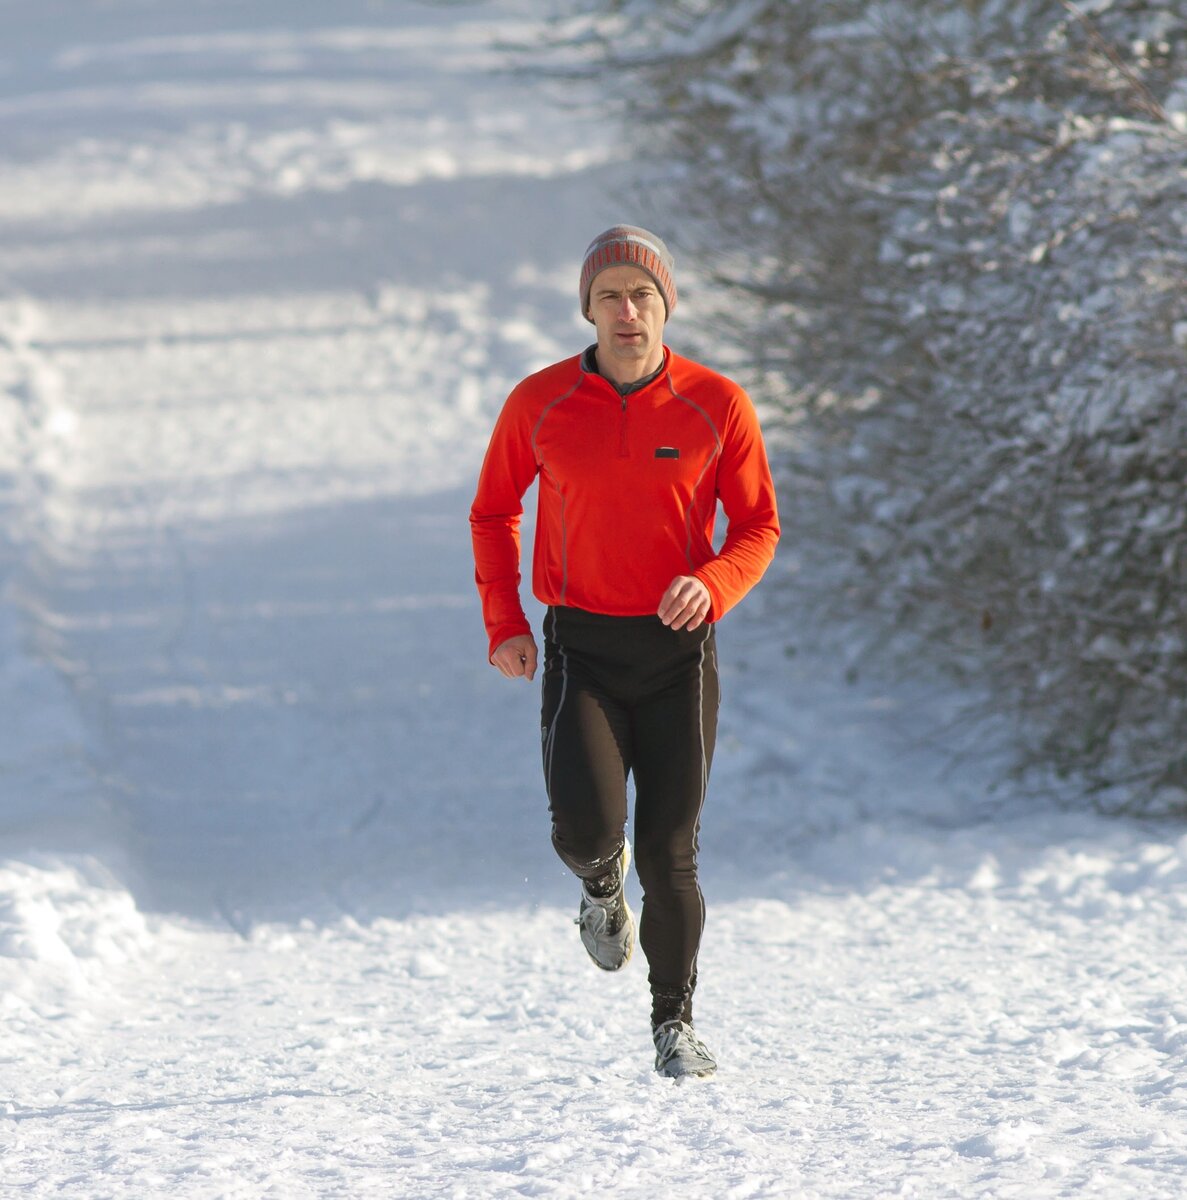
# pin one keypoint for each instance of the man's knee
(586, 852)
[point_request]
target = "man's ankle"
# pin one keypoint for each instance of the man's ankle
(604, 885)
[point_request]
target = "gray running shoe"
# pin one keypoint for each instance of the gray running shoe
(679, 1052)
(607, 926)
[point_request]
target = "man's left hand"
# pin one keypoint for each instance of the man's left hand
(686, 603)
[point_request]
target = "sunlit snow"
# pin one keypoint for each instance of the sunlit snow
(278, 909)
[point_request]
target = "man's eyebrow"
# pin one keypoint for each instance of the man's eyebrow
(608, 290)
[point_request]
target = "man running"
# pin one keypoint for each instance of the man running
(634, 446)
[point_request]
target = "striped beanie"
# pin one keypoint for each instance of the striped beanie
(628, 245)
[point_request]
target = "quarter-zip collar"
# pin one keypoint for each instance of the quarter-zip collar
(589, 364)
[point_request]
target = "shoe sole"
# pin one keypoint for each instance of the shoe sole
(623, 867)
(677, 1076)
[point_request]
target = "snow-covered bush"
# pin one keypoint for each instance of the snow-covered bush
(954, 239)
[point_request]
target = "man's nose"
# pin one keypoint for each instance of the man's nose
(626, 309)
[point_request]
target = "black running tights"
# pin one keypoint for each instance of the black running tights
(621, 696)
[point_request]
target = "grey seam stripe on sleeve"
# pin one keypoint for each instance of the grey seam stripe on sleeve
(688, 515)
(564, 523)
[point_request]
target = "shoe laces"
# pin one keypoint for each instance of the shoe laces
(593, 917)
(599, 912)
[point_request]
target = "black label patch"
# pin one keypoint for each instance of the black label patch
(667, 452)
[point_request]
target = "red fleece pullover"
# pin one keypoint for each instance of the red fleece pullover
(628, 493)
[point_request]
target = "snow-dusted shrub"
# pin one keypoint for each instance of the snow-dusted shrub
(955, 244)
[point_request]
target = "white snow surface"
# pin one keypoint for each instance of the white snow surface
(278, 911)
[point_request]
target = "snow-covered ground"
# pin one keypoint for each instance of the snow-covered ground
(278, 910)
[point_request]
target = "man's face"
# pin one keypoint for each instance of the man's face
(628, 310)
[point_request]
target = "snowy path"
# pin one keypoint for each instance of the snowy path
(278, 913)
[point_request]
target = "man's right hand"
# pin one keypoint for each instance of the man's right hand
(517, 656)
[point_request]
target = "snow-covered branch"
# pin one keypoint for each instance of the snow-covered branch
(956, 243)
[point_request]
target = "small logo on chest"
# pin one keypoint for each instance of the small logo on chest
(667, 452)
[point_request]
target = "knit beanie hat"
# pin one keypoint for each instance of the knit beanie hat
(628, 245)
